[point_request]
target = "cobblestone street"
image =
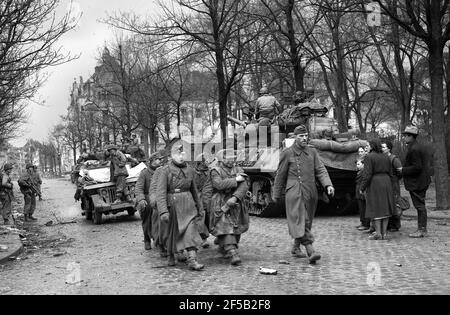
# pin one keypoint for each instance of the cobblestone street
(112, 260)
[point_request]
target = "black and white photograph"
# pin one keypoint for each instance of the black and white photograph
(224, 154)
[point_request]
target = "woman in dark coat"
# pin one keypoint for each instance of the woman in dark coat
(377, 184)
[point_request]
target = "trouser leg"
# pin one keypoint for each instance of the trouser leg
(146, 223)
(33, 204)
(362, 213)
(5, 208)
(418, 200)
(27, 204)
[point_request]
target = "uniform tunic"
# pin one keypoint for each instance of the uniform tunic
(120, 173)
(177, 195)
(28, 195)
(204, 186)
(142, 193)
(224, 185)
(6, 195)
(377, 183)
(297, 173)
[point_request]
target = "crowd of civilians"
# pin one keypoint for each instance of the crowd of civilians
(378, 185)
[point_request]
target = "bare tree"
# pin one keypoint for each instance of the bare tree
(29, 31)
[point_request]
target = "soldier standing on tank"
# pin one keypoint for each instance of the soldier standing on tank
(143, 198)
(119, 172)
(229, 218)
(179, 205)
(297, 172)
(26, 181)
(6, 192)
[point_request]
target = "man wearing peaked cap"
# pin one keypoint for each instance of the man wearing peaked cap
(416, 177)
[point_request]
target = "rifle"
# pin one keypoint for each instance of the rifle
(33, 188)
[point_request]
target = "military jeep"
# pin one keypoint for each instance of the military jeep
(97, 197)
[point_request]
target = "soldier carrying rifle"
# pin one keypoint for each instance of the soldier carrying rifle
(29, 191)
(6, 192)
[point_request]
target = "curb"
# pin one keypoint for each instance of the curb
(17, 251)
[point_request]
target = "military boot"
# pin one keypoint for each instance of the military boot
(171, 260)
(296, 251)
(192, 261)
(181, 257)
(147, 245)
(235, 259)
(313, 256)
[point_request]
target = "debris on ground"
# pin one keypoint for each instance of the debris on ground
(284, 262)
(398, 265)
(267, 271)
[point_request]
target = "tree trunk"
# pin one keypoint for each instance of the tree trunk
(436, 64)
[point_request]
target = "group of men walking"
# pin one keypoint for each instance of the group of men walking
(30, 186)
(180, 205)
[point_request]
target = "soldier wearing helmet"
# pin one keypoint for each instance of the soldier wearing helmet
(26, 182)
(119, 172)
(6, 192)
(266, 108)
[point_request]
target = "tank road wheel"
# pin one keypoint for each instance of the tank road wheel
(97, 217)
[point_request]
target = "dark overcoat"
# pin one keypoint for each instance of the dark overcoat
(177, 195)
(204, 186)
(224, 186)
(377, 183)
(416, 172)
(297, 173)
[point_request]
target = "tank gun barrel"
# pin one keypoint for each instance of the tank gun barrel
(236, 121)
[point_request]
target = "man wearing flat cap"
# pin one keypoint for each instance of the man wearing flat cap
(229, 218)
(416, 177)
(6, 192)
(143, 197)
(26, 181)
(297, 172)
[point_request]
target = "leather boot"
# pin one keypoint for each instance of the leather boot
(313, 256)
(235, 259)
(296, 251)
(192, 261)
(147, 245)
(181, 257)
(163, 253)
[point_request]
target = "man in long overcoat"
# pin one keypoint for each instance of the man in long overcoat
(416, 177)
(142, 191)
(229, 218)
(180, 206)
(119, 172)
(297, 172)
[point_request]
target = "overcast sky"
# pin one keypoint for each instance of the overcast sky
(87, 39)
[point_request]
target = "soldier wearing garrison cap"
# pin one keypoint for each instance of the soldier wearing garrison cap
(416, 176)
(6, 192)
(297, 172)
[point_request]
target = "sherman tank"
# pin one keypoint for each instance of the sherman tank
(338, 152)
